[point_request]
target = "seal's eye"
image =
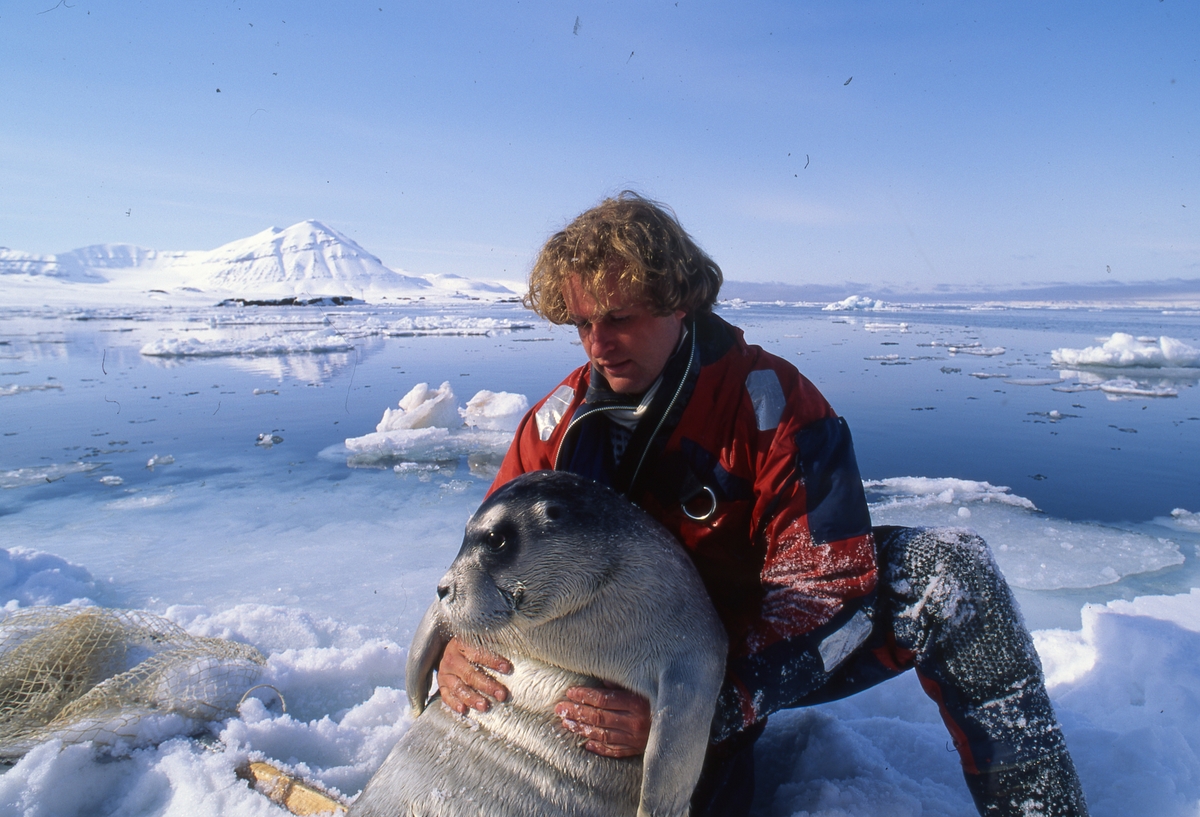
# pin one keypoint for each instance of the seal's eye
(495, 541)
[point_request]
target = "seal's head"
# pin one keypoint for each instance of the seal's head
(536, 550)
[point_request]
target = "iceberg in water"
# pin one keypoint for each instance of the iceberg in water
(854, 302)
(1123, 350)
(427, 426)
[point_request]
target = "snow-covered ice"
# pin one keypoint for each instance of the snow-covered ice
(428, 426)
(262, 345)
(1123, 350)
(1034, 552)
(856, 302)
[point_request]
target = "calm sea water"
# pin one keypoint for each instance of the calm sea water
(915, 407)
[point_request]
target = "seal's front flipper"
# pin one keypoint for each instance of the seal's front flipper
(681, 719)
(428, 644)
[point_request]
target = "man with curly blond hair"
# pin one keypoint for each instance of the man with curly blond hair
(744, 461)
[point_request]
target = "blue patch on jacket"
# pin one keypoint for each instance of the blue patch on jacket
(836, 503)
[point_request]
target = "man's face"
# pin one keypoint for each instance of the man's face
(627, 342)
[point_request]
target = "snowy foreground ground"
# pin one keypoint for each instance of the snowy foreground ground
(281, 478)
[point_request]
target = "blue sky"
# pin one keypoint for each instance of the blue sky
(900, 143)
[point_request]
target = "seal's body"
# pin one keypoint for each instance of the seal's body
(575, 586)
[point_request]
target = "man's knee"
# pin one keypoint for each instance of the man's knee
(937, 579)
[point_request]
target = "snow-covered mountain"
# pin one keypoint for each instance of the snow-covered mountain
(306, 260)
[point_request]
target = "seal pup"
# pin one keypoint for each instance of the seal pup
(575, 586)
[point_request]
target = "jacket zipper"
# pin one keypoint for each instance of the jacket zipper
(572, 424)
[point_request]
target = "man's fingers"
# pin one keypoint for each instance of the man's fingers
(610, 699)
(485, 658)
(616, 722)
(479, 681)
(607, 742)
(461, 681)
(592, 716)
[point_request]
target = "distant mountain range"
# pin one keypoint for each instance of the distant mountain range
(310, 260)
(307, 260)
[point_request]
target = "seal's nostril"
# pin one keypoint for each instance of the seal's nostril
(443, 590)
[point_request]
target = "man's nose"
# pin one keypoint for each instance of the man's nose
(602, 335)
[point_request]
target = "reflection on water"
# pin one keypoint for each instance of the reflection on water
(314, 367)
(1127, 383)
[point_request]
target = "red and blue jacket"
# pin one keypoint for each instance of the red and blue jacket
(744, 461)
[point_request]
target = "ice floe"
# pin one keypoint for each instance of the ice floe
(976, 349)
(1124, 350)
(1033, 381)
(1035, 552)
(13, 388)
(428, 325)
(428, 426)
(855, 302)
(1186, 519)
(277, 344)
(39, 474)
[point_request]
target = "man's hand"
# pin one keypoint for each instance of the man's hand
(463, 684)
(616, 722)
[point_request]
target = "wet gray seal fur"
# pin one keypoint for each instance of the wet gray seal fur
(575, 586)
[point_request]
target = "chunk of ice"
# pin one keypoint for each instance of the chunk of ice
(495, 411)
(422, 407)
(1124, 350)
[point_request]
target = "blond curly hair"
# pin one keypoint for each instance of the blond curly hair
(638, 241)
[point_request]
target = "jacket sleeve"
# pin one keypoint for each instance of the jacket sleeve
(819, 571)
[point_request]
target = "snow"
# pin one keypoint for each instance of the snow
(1124, 350)
(31, 577)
